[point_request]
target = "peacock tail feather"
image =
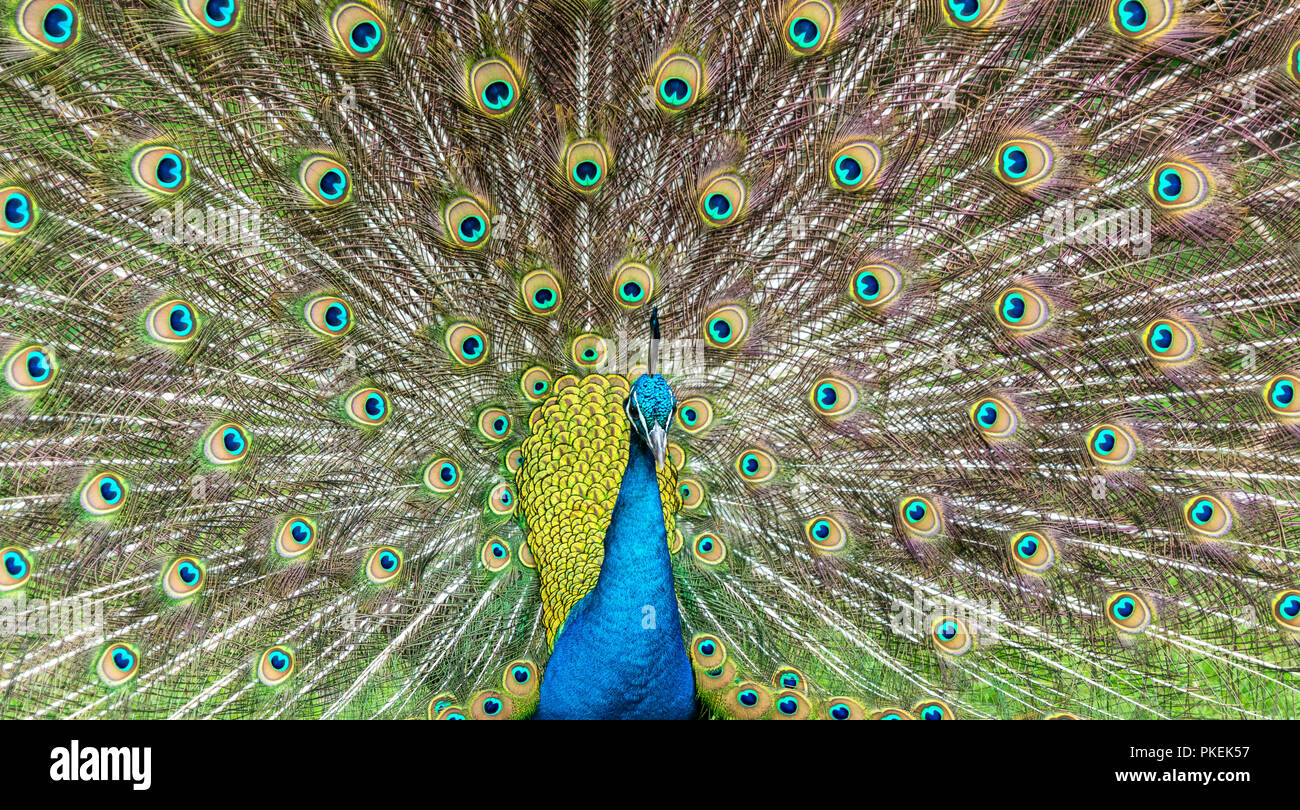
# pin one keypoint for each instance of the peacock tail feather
(318, 318)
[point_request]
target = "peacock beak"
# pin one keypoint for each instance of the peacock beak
(659, 444)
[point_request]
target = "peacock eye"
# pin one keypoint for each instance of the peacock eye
(1112, 445)
(994, 418)
(695, 415)
(535, 384)
(692, 492)
(467, 223)
(173, 321)
(633, 284)
(367, 407)
(441, 476)
(160, 169)
(1169, 341)
(384, 564)
(1280, 396)
(183, 578)
(30, 369)
(494, 84)
(328, 315)
(275, 666)
(1129, 611)
(19, 213)
(1208, 516)
(1022, 309)
(843, 708)
(589, 350)
(15, 568)
(678, 82)
(103, 494)
(825, 533)
(855, 165)
(919, 516)
(933, 710)
(808, 26)
(971, 13)
(325, 180)
(495, 555)
(707, 652)
(501, 500)
(359, 30)
(748, 700)
(1139, 19)
(1178, 185)
(586, 164)
(832, 397)
(540, 290)
(756, 466)
(118, 664)
(1033, 551)
(726, 327)
(225, 444)
(494, 424)
(296, 537)
(721, 199)
(520, 678)
(709, 548)
(50, 24)
(1286, 609)
(951, 635)
(1023, 162)
(877, 285)
(213, 16)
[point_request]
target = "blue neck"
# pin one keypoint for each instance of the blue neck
(621, 654)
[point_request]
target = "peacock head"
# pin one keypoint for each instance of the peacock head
(650, 408)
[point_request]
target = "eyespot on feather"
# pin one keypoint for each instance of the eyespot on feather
(51, 25)
(295, 537)
(174, 321)
(359, 30)
(30, 369)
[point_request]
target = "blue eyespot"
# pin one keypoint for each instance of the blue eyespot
(718, 206)
(1290, 607)
(498, 94)
(787, 705)
(374, 406)
(964, 10)
(233, 441)
(332, 184)
(336, 316)
(58, 23)
(840, 712)
(1133, 16)
(748, 697)
(18, 211)
(1013, 307)
(947, 631)
(471, 228)
(675, 91)
(1124, 608)
(1015, 162)
(181, 320)
(707, 648)
(498, 550)
(915, 511)
(219, 12)
(38, 366)
(848, 169)
(1027, 547)
(365, 36)
(300, 532)
(1203, 511)
(279, 661)
(1104, 443)
(1170, 183)
(932, 713)
(15, 565)
(521, 674)
(109, 490)
(804, 32)
(169, 171)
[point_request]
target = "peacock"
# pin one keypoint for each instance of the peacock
(785, 359)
